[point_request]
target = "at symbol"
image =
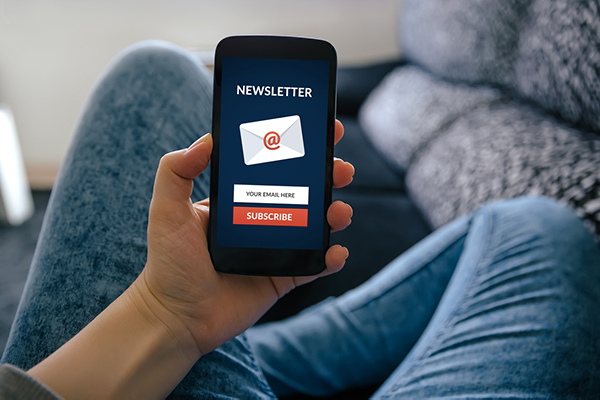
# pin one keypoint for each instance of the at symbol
(271, 140)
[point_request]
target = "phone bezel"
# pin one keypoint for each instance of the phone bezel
(269, 261)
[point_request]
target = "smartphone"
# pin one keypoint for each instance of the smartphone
(272, 159)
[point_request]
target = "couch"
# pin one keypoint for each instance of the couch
(492, 100)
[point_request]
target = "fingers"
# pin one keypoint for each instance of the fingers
(205, 202)
(339, 216)
(177, 169)
(343, 173)
(339, 131)
(335, 258)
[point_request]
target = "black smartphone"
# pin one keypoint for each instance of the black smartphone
(272, 160)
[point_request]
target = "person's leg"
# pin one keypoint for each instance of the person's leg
(521, 303)
(520, 315)
(359, 338)
(153, 99)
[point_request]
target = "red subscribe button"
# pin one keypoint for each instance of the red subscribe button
(270, 216)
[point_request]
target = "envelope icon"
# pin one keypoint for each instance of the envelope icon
(272, 140)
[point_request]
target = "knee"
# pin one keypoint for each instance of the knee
(542, 217)
(532, 209)
(150, 53)
(153, 65)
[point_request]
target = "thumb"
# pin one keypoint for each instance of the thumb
(177, 170)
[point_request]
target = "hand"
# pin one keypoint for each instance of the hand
(179, 283)
(145, 342)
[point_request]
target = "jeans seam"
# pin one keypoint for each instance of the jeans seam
(262, 379)
(452, 315)
(425, 261)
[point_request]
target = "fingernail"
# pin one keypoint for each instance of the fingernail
(199, 141)
(347, 253)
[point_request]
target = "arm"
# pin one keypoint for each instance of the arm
(179, 308)
(127, 351)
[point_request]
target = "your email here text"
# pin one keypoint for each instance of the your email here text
(281, 91)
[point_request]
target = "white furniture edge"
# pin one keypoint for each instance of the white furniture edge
(16, 202)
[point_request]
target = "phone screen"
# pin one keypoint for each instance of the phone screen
(272, 153)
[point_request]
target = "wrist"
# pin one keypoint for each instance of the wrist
(159, 318)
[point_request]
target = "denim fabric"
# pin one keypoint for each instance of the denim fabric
(154, 98)
(500, 304)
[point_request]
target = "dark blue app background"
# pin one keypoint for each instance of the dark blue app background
(308, 170)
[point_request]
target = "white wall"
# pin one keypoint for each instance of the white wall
(52, 51)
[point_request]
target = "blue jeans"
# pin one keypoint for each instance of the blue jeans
(501, 303)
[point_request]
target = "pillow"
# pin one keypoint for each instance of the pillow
(507, 150)
(558, 60)
(547, 52)
(355, 83)
(463, 146)
(410, 108)
(471, 41)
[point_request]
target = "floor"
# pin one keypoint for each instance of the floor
(17, 245)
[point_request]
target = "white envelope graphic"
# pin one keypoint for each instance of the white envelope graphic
(272, 140)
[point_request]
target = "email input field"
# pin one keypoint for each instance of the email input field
(269, 194)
